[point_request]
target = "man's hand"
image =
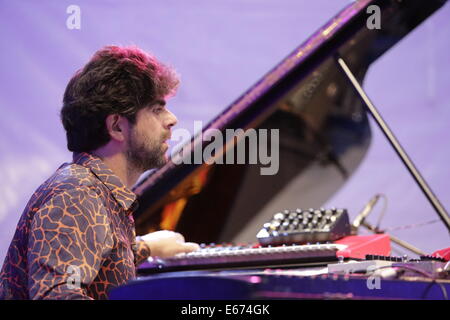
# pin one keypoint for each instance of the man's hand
(166, 243)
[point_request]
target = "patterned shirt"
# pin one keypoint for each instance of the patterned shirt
(76, 237)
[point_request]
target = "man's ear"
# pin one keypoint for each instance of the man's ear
(117, 127)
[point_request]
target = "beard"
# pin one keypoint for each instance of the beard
(145, 154)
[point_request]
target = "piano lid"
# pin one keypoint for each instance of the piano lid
(323, 136)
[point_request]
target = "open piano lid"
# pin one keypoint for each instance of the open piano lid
(324, 134)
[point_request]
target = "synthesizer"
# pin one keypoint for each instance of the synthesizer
(292, 237)
(301, 226)
(230, 256)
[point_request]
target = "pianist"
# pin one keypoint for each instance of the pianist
(76, 237)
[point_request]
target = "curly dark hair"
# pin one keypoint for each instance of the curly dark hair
(117, 80)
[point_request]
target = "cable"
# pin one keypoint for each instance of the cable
(447, 266)
(360, 220)
(427, 275)
(443, 289)
(371, 205)
(411, 226)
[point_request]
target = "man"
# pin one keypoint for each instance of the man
(76, 237)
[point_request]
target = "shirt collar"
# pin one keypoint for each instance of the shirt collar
(120, 192)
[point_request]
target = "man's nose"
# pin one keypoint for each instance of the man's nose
(171, 120)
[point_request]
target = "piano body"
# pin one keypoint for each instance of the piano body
(324, 135)
(323, 128)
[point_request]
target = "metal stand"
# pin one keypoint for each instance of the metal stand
(360, 221)
(395, 144)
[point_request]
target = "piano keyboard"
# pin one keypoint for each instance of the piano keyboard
(244, 256)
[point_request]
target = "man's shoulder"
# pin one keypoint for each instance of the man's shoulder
(69, 178)
(72, 174)
(69, 183)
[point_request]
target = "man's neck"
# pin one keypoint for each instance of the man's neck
(118, 163)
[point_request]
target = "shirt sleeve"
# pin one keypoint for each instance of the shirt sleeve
(142, 252)
(66, 245)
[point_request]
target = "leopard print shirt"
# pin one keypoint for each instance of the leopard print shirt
(76, 237)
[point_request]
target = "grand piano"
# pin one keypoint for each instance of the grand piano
(324, 135)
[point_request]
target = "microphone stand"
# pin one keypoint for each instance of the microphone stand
(360, 220)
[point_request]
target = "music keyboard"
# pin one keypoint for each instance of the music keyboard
(222, 257)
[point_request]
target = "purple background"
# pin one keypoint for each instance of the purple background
(220, 48)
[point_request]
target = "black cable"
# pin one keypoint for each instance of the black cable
(443, 289)
(427, 275)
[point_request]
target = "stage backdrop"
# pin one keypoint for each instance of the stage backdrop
(220, 48)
